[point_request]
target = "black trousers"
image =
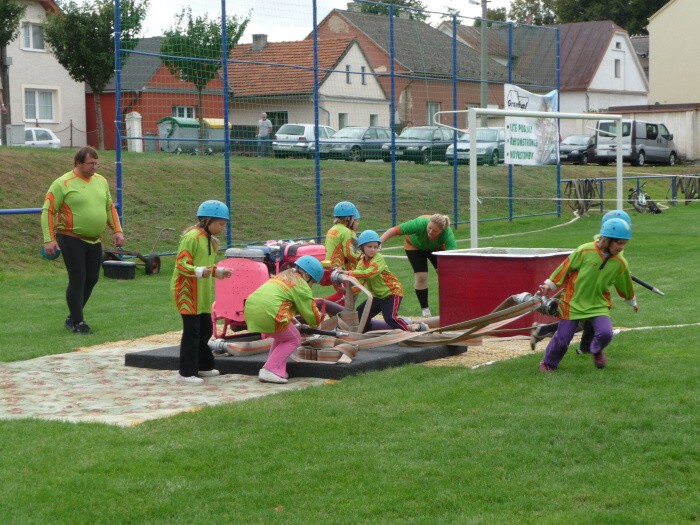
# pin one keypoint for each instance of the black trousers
(195, 354)
(83, 261)
(419, 260)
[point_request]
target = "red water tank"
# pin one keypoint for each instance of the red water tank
(474, 281)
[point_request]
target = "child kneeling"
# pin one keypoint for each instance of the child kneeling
(384, 286)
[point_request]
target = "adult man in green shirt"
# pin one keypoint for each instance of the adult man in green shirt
(77, 207)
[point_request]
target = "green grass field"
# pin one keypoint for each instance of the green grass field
(420, 445)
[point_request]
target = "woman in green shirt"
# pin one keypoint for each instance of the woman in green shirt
(424, 236)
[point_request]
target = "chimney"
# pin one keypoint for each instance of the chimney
(354, 7)
(259, 42)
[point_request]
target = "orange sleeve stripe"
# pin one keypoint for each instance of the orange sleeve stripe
(50, 215)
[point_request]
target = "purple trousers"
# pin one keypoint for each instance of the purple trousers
(559, 344)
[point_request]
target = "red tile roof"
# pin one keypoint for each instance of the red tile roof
(282, 68)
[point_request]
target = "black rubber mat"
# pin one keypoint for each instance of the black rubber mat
(368, 360)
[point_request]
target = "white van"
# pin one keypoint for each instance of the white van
(642, 142)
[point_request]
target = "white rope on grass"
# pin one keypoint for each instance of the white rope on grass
(686, 325)
(576, 218)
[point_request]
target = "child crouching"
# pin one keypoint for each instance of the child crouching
(384, 286)
(270, 310)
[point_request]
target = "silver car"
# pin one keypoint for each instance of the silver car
(41, 138)
(490, 147)
(355, 143)
(297, 139)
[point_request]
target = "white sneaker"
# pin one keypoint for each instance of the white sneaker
(269, 377)
(189, 380)
(426, 312)
(209, 373)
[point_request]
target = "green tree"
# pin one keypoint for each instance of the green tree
(382, 8)
(538, 12)
(192, 50)
(631, 15)
(497, 15)
(11, 12)
(82, 40)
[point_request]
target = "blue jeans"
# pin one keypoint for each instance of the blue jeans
(263, 146)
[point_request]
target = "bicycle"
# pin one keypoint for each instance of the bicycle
(641, 201)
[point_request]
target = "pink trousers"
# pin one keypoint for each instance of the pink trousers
(283, 345)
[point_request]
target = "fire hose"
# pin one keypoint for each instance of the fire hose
(340, 346)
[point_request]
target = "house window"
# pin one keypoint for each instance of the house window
(342, 120)
(364, 75)
(373, 119)
(432, 107)
(183, 111)
(278, 118)
(618, 64)
(618, 45)
(39, 105)
(32, 36)
(347, 75)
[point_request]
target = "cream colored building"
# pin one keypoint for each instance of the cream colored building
(674, 41)
(40, 91)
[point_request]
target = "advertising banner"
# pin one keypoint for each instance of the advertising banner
(531, 141)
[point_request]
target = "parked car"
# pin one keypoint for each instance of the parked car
(420, 144)
(355, 143)
(490, 147)
(296, 139)
(642, 142)
(579, 149)
(41, 138)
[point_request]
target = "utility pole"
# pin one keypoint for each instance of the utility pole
(484, 100)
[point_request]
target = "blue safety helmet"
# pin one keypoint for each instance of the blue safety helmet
(312, 266)
(213, 209)
(616, 229)
(346, 209)
(368, 236)
(617, 214)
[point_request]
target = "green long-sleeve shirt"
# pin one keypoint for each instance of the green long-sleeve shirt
(586, 285)
(376, 277)
(78, 206)
(341, 243)
(271, 307)
(193, 295)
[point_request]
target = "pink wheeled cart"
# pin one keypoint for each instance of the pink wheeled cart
(251, 266)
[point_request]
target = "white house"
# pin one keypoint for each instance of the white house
(599, 66)
(673, 76)
(40, 91)
(277, 77)
(674, 41)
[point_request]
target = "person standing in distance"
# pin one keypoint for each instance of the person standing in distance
(76, 209)
(264, 135)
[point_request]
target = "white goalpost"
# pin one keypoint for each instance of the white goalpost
(472, 116)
